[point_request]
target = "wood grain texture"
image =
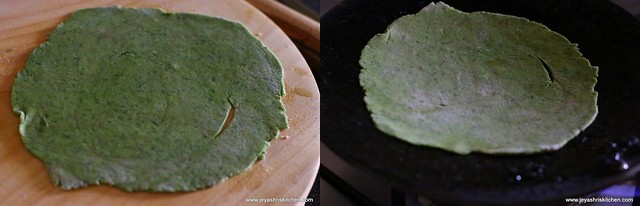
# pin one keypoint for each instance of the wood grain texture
(289, 17)
(304, 31)
(287, 172)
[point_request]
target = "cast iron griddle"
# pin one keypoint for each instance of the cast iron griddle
(607, 152)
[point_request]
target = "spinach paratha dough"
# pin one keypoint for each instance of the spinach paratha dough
(477, 82)
(138, 99)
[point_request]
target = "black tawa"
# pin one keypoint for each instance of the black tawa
(605, 153)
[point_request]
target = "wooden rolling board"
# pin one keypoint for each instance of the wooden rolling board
(287, 172)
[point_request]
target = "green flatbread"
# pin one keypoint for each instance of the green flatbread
(138, 99)
(477, 82)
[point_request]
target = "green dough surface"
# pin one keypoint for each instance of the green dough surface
(477, 82)
(139, 98)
